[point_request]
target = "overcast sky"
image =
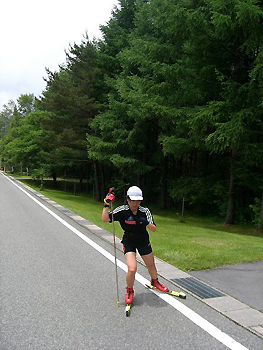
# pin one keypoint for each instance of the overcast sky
(34, 35)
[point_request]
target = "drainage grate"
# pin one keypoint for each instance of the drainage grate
(198, 288)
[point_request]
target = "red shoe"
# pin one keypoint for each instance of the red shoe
(156, 284)
(129, 295)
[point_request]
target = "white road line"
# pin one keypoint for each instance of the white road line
(186, 311)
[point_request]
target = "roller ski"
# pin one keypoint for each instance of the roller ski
(156, 285)
(128, 300)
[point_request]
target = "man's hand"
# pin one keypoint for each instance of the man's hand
(110, 198)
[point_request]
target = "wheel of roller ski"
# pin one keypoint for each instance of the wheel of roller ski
(182, 295)
(128, 310)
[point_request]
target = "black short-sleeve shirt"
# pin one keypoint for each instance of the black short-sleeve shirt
(133, 225)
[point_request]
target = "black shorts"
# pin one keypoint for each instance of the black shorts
(129, 247)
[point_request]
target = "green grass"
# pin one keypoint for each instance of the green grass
(196, 244)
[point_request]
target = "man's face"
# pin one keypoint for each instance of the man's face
(134, 205)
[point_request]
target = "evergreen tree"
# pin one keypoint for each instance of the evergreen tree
(147, 108)
(5, 117)
(228, 124)
(101, 140)
(73, 96)
(18, 142)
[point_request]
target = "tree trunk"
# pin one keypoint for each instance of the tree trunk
(87, 176)
(260, 224)
(104, 190)
(164, 186)
(97, 180)
(54, 177)
(81, 178)
(231, 193)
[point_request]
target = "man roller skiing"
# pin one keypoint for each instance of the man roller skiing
(134, 220)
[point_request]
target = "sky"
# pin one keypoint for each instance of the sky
(34, 34)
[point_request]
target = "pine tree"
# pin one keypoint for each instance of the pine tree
(73, 96)
(108, 131)
(231, 119)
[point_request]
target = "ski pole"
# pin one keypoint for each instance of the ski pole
(115, 258)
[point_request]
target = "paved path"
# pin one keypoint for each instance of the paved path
(47, 301)
(242, 281)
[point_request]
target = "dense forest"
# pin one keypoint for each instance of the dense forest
(170, 99)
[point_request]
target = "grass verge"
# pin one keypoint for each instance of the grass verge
(196, 244)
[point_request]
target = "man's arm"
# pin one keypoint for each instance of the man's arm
(150, 222)
(105, 214)
(150, 225)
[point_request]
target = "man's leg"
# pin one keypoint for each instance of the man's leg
(132, 268)
(149, 262)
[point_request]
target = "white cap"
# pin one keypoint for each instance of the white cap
(135, 193)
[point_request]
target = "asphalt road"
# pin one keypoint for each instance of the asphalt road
(243, 281)
(58, 292)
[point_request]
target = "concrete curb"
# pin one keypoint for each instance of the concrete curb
(240, 313)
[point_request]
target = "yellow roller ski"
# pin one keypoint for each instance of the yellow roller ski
(170, 292)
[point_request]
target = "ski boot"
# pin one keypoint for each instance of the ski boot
(129, 295)
(128, 300)
(156, 284)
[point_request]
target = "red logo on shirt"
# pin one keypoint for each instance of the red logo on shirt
(130, 222)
